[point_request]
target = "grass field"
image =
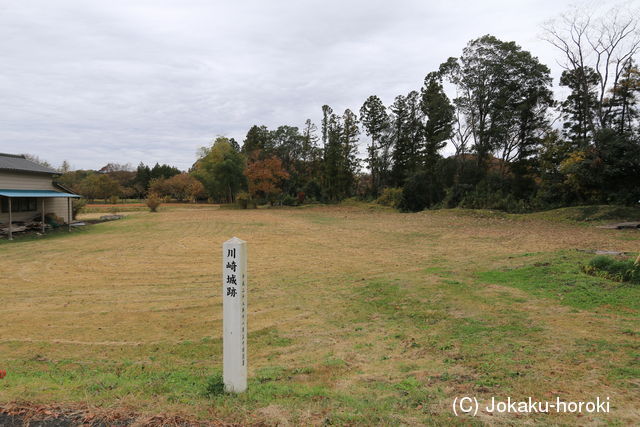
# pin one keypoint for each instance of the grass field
(356, 316)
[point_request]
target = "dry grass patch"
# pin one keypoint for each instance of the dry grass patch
(356, 316)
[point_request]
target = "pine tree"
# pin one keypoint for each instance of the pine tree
(258, 138)
(439, 111)
(374, 118)
(350, 163)
(331, 132)
(579, 109)
(408, 133)
(624, 100)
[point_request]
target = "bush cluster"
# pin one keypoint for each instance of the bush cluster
(390, 197)
(288, 200)
(77, 206)
(614, 269)
(153, 202)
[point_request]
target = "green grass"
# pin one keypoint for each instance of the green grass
(560, 277)
(591, 213)
(618, 270)
(52, 234)
(114, 210)
(357, 317)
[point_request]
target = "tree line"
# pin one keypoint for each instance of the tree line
(515, 146)
(115, 181)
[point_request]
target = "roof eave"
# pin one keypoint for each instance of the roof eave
(53, 173)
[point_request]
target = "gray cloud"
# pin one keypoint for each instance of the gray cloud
(94, 81)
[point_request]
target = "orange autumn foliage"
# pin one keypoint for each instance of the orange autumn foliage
(264, 176)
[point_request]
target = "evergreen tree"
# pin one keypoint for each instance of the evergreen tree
(625, 102)
(287, 146)
(258, 138)
(439, 112)
(332, 131)
(311, 161)
(503, 93)
(579, 109)
(350, 162)
(408, 133)
(309, 152)
(142, 179)
(234, 144)
(375, 120)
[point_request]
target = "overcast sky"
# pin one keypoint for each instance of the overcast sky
(126, 81)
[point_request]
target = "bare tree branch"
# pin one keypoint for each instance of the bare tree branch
(606, 43)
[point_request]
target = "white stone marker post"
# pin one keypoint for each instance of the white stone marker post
(234, 302)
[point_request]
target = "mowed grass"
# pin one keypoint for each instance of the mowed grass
(356, 316)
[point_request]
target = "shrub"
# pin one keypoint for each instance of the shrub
(313, 189)
(214, 386)
(153, 202)
(421, 191)
(301, 197)
(455, 194)
(498, 200)
(613, 269)
(288, 200)
(77, 206)
(390, 197)
(242, 199)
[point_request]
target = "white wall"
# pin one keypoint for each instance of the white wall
(32, 181)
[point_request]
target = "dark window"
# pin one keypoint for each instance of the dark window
(19, 204)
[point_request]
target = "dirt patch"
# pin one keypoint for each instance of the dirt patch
(57, 416)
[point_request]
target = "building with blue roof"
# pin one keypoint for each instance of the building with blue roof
(28, 193)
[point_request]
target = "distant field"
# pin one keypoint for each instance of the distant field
(357, 315)
(140, 206)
